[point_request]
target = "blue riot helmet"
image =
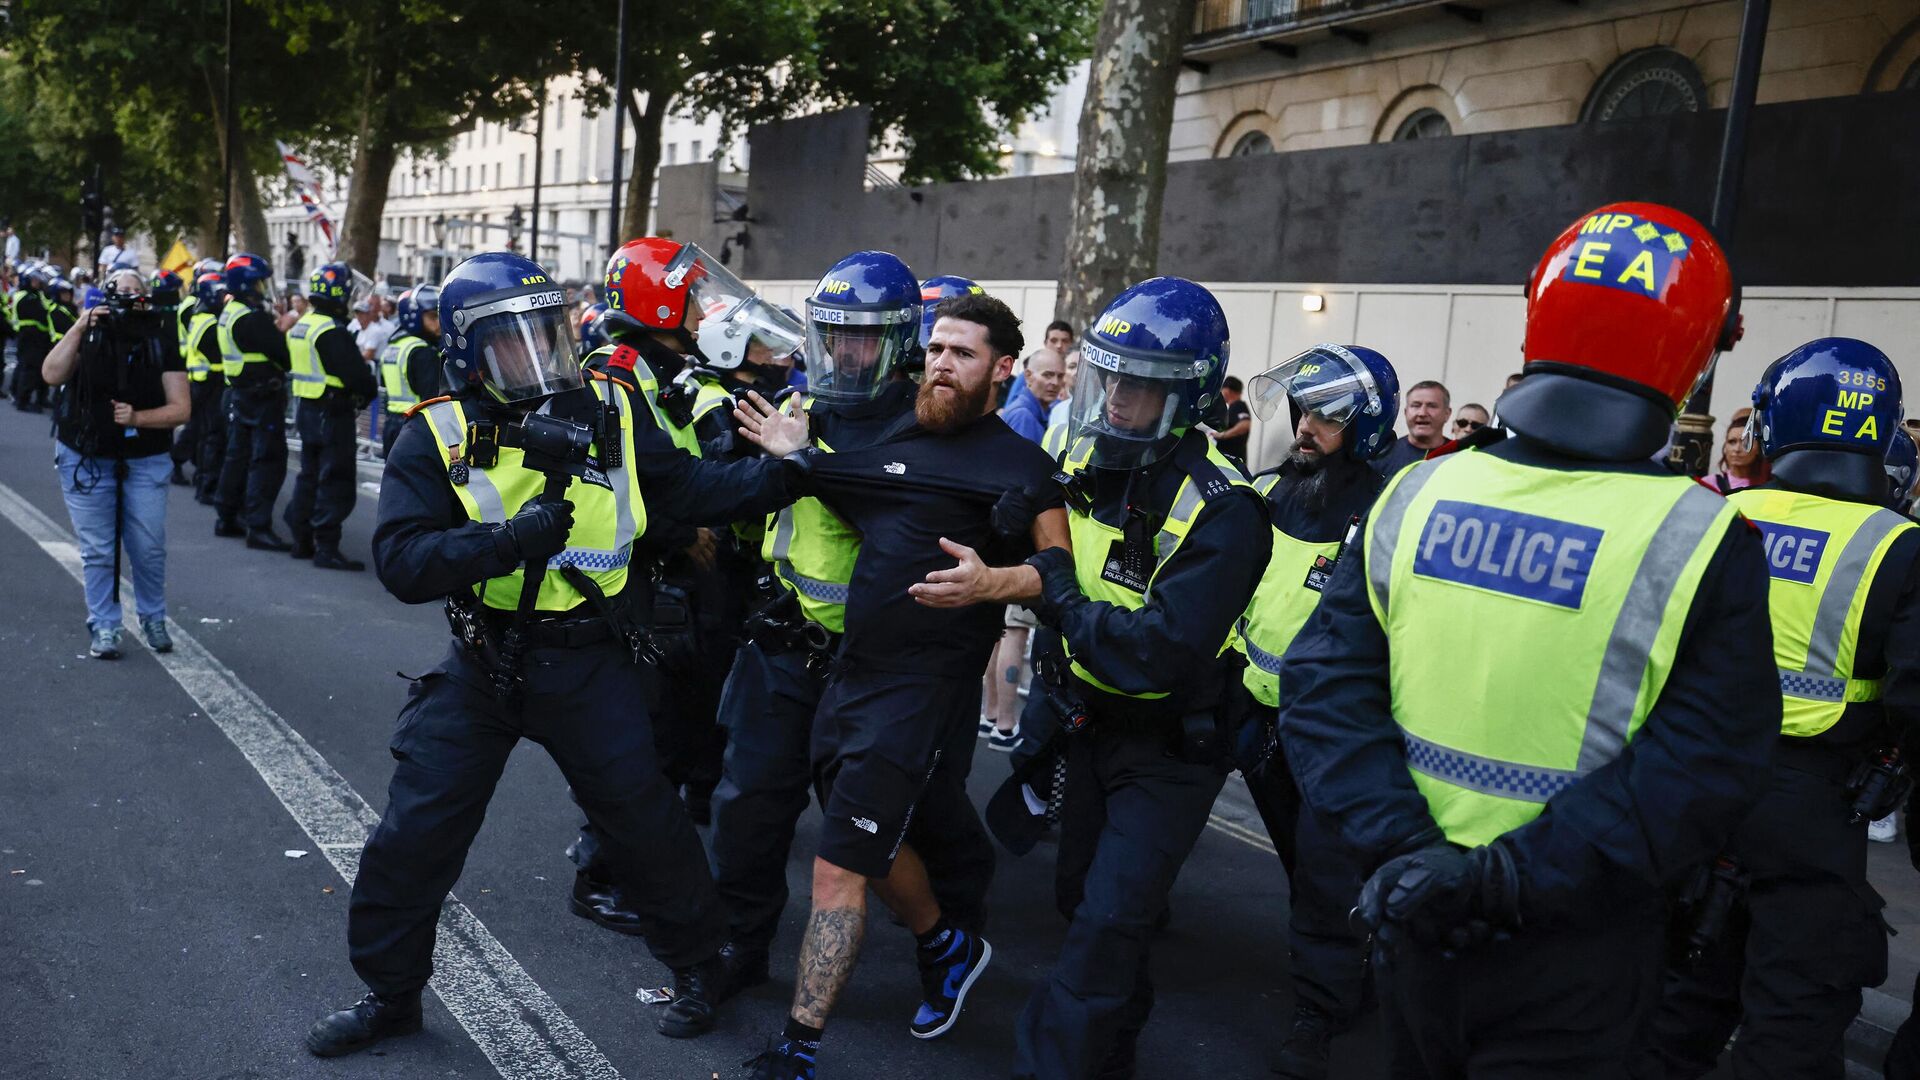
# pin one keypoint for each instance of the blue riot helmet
(935, 289)
(1903, 468)
(249, 277)
(863, 323)
(593, 331)
(210, 288)
(164, 286)
(208, 265)
(1825, 414)
(35, 276)
(503, 329)
(1150, 369)
(330, 287)
(1349, 385)
(411, 310)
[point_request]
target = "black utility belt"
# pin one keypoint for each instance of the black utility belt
(484, 627)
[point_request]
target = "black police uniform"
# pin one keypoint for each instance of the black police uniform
(325, 487)
(208, 400)
(256, 457)
(1809, 930)
(583, 700)
(1329, 960)
(1592, 868)
(29, 389)
(1138, 790)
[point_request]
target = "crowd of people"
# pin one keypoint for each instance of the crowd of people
(723, 559)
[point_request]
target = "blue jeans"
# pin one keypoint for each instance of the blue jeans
(89, 486)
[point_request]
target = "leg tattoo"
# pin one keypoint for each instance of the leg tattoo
(827, 956)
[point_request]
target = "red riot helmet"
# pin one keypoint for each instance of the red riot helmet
(1625, 313)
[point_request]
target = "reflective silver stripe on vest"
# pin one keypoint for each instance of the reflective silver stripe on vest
(1488, 776)
(623, 530)
(1186, 506)
(1813, 687)
(1830, 622)
(301, 376)
(1258, 656)
(1381, 545)
(1630, 645)
(826, 592)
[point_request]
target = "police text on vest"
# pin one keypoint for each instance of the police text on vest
(1534, 558)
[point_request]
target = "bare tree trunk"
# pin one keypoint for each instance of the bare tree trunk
(249, 210)
(374, 156)
(1114, 238)
(647, 125)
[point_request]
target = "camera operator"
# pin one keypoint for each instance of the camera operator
(126, 390)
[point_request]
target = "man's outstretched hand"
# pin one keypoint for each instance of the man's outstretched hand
(777, 431)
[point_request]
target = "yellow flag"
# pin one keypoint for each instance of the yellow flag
(178, 259)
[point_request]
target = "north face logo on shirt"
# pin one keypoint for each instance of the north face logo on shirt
(867, 825)
(895, 468)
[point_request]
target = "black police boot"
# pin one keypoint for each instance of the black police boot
(746, 969)
(302, 546)
(179, 477)
(372, 1019)
(328, 557)
(226, 526)
(696, 999)
(601, 901)
(699, 803)
(1121, 1061)
(1304, 1055)
(266, 540)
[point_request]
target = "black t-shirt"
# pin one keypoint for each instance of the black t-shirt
(901, 526)
(1237, 445)
(118, 364)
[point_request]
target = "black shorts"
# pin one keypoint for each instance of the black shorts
(877, 739)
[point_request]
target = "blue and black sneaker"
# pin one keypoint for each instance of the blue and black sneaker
(946, 975)
(789, 1061)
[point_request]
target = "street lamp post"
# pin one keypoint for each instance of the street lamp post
(226, 139)
(539, 158)
(619, 125)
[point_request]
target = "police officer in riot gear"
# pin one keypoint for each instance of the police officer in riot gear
(1845, 604)
(409, 364)
(254, 358)
(333, 383)
(1342, 401)
(30, 314)
(518, 501)
(203, 439)
(1169, 540)
(1528, 788)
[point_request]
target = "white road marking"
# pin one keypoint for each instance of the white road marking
(520, 1029)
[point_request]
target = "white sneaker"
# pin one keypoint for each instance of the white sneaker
(1884, 831)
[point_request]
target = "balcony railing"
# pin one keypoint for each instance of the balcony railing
(1217, 18)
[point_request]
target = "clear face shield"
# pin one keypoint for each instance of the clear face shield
(525, 346)
(361, 290)
(851, 354)
(1128, 407)
(1326, 381)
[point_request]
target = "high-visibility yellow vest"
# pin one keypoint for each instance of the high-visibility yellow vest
(1281, 604)
(310, 377)
(13, 308)
(1532, 618)
(232, 360)
(812, 551)
(197, 330)
(649, 387)
(394, 358)
(605, 519)
(1054, 440)
(1093, 540)
(55, 333)
(1822, 555)
(183, 320)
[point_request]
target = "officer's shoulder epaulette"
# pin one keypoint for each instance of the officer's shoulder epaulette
(616, 380)
(430, 401)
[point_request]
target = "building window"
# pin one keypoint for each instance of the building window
(521, 181)
(496, 174)
(1252, 144)
(556, 165)
(559, 113)
(1647, 83)
(1423, 124)
(693, 152)
(673, 153)
(1911, 81)
(469, 184)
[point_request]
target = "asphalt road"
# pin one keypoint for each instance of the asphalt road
(153, 926)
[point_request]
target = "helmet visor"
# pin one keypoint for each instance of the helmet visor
(712, 290)
(527, 354)
(851, 354)
(1126, 406)
(1326, 381)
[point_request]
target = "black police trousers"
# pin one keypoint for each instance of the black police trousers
(1328, 959)
(325, 487)
(1133, 811)
(765, 783)
(391, 424)
(1796, 953)
(208, 427)
(1560, 1003)
(453, 739)
(1903, 1056)
(29, 389)
(256, 458)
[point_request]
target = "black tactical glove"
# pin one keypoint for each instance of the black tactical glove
(1012, 516)
(1059, 588)
(539, 531)
(1443, 896)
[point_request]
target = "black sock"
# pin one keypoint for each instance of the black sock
(806, 1037)
(935, 940)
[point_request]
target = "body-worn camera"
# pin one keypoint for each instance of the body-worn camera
(551, 444)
